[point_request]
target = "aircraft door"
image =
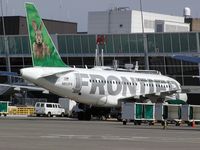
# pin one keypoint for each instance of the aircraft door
(77, 84)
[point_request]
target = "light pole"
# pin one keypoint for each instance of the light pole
(146, 58)
(5, 44)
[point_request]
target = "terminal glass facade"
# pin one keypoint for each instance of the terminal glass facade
(79, 50)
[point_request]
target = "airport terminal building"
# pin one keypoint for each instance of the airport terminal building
(79, 50)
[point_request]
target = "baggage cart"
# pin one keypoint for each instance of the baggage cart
(3, 108)
(171, 113)
(190, 113)
(138, 112)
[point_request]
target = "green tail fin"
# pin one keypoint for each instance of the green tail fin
(43, 50)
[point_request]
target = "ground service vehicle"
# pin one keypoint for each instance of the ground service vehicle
(49, 109)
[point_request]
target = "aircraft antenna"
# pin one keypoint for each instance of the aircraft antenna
(136, 66)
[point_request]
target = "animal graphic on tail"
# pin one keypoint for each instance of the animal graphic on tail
(40, 49)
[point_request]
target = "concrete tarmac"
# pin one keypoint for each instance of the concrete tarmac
(65, 134)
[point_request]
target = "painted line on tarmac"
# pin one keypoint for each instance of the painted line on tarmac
(124, 138)
(100, 137)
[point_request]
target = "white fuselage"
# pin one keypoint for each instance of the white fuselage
(97, 86)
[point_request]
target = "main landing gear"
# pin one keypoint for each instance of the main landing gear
(86, 112)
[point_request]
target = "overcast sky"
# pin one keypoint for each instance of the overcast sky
(77, 10)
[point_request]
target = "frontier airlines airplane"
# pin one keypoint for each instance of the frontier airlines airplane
(95, 87)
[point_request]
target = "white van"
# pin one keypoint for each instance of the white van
(49, 109)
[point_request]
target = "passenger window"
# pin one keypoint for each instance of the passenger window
(38, 105)
(49, 105)
(42, 105)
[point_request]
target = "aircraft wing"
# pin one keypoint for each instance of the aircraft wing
(24, 87)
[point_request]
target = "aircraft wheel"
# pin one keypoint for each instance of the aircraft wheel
(178, 123)
(124, 122)
(80, 115)
(87, 115)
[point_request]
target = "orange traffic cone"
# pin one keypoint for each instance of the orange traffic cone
(193, 124)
